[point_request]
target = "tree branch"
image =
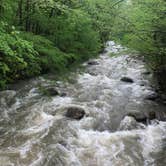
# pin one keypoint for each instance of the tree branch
(116, 3)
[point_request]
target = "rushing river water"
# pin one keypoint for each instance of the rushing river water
(34, 130)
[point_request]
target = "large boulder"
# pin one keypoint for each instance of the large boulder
(127, 79)
(74, 112)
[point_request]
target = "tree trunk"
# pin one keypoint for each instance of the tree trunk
(27, 10)
(1, 8)
(20, 12)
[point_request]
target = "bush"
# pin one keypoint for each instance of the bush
(18, 58)
(50, 57)
(74, 34)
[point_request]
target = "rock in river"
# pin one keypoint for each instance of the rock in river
(146, 72)
(52, 91)
(152, 115)
(152, 96)
(127, 79)
(49, 91)
(138, 116)
(129, 123)
(75, 112)
(92, 62)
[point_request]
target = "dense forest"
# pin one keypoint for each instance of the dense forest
(41, 36)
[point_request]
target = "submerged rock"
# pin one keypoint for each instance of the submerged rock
(130, 123)
(153, 96)
(93, 73)
(138, 116)
(127, 79)
(75, 112)
(7, 97)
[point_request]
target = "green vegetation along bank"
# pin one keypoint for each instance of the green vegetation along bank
(40, 36)
(43, 36)
(141, 25)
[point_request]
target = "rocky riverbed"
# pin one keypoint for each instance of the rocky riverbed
(108, 115)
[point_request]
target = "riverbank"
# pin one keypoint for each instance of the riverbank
(27, 55)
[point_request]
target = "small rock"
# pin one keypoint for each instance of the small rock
(93, 63)
(146, 73)
(104, 51)
(153, 96)
(138, 116)
(75, 113)
(48, 91)
(52, 91)
(127, 79)
(93, 73)
(63, 94)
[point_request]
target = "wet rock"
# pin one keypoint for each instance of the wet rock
(49, 91)
(104, 51)
(127, 79)
(75, 113)
(130, 123)
(93, 63)
(138, 116)
(63, 94)
(163, 98)
(143, 83)
(152, 115)
(153, 96)
(146, 73)
(52, 91)
(93, 73)
(164, 102)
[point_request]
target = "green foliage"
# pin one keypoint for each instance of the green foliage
(102, 15)
(17, 56)
(141, 25)
(76, 35)
(52, 35)
(50, 58)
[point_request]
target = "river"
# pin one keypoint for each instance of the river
(34, 129)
